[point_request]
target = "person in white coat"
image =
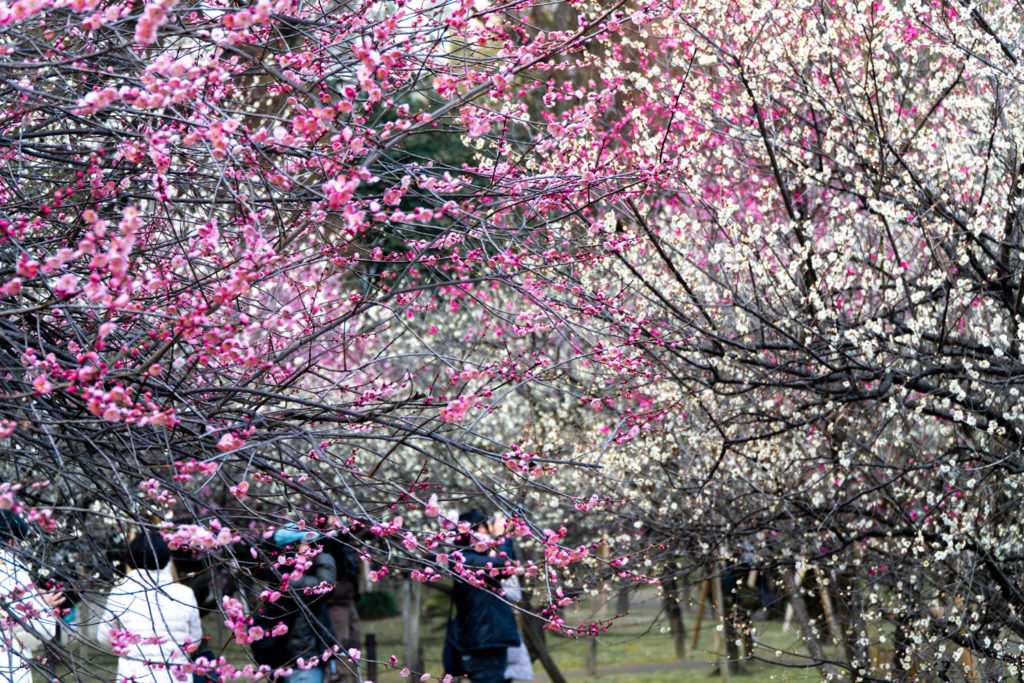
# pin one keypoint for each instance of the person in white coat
(26, 616)
(149, 617)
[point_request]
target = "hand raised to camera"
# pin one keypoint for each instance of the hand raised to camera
(53, 599)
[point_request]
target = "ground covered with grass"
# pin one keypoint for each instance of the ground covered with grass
(637, 648)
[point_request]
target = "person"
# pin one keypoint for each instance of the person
(26, 616)
(256, 579)
(484, 628)
(341, 602)
(149, 618)
(309, 628)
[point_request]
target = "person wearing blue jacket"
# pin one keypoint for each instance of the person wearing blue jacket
(484, 627)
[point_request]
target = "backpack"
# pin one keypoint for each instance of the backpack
(270, 650)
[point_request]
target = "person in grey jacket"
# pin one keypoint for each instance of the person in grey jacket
(309, 627)
(341, 602)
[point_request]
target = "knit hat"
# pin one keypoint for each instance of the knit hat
(12, 526)
(148, 551)
(291, 533)
(473, 517)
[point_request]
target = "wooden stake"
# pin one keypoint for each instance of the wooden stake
(701, 602)
(826, 603)
(971, 666)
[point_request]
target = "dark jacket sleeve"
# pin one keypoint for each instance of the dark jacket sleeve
(310, 629)
(323, 569)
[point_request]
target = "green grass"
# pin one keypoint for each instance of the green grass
(639, 639)
(635, 640)
(95, 665)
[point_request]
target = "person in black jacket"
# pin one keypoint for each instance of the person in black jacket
(309, 626)
(341, 602)
(484, 627)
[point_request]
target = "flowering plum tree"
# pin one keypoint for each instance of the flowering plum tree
(700, 279)
(218, 225)
(791, 293)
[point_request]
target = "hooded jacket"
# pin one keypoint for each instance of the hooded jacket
(163, 613)
(309, 630)
(25, 620)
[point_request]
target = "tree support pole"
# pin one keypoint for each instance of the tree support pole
(701, 602)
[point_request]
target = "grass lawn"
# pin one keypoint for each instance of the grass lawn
(639, 642)
(640, 639)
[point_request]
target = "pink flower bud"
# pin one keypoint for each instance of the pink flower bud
(432, 509)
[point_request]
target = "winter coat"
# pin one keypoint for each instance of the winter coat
(21, 632)
(164, 613)
(482, 620)
(309, 627)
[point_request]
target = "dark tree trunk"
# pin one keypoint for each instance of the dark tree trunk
(532, 634)
(674, 611)
(811, 637)
(622, 602)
